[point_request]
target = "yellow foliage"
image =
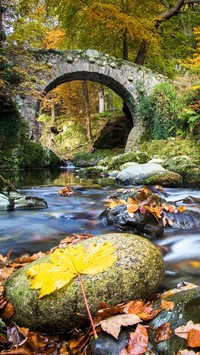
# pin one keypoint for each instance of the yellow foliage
(54, 38)
(65, 264)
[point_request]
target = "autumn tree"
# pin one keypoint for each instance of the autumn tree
(130, 29)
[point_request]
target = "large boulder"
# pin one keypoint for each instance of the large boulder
(136, 173)
(136, 273)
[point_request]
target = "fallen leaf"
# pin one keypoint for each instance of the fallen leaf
(66, 191)
(76, 345)
(132, 208)
(113, 324)
(187, 352)
(169, 305)
(116, 202)
(162, 332)
(143, 309)
(6, 309)
(168, 208)
(65, 264)
(107, 312)
(194, 337)
(138, 342)
(181, 208)
(183, 330)
(134, 307)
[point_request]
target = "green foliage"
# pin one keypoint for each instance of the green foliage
(36, 156)
(2, 324)
(160, 111)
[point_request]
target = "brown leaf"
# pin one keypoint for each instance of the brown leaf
(66, 191)
(187, 352)
(134, 307)
(8, 311)
(168, 208)
(110, 311)
(194, 337)
(138, 342)
(181, 208)
(132, 208)
(19, 262)
(117, 202)
(169, 305)
(76, 345)
(113, 324)
(143, 309)
(155, 211)
(183, 330)
(163, 332)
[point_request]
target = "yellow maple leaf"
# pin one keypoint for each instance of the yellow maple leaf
(65, 264)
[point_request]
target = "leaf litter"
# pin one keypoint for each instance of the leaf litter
(22, 341)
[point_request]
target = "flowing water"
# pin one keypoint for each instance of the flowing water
(30, 231)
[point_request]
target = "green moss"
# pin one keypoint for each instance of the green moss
(138, 157)
(64, 309)
(35, 155)
(6, 186)
(169, 179)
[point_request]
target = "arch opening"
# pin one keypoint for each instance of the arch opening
(111, 112)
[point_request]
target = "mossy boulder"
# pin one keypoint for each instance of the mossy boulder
(137, 173)
(168, 178)
(135, 156)
(188, 168)
(136, 273)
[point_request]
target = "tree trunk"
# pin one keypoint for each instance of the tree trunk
(87, 107)
(101, 99)
(163, 16)
(141, 53)
(1, 24)
(52, 113)
(125, 46)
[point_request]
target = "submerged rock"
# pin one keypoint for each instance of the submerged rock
(143, 224)
(11, 199)
(150, 214)
(136, 273)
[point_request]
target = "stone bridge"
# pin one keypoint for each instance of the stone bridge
(120, 76)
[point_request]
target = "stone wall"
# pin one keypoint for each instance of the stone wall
(62, 66)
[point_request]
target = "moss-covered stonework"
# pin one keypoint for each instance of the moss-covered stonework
(136, 273)
(187, 304)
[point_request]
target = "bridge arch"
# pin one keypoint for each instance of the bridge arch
(120, 76)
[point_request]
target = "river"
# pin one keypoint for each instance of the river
(30, 231)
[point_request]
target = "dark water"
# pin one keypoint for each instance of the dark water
(30, 231)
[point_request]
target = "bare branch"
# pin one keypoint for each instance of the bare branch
(165, 3)
(192, 2)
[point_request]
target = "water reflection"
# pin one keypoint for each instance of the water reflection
(52, 177)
